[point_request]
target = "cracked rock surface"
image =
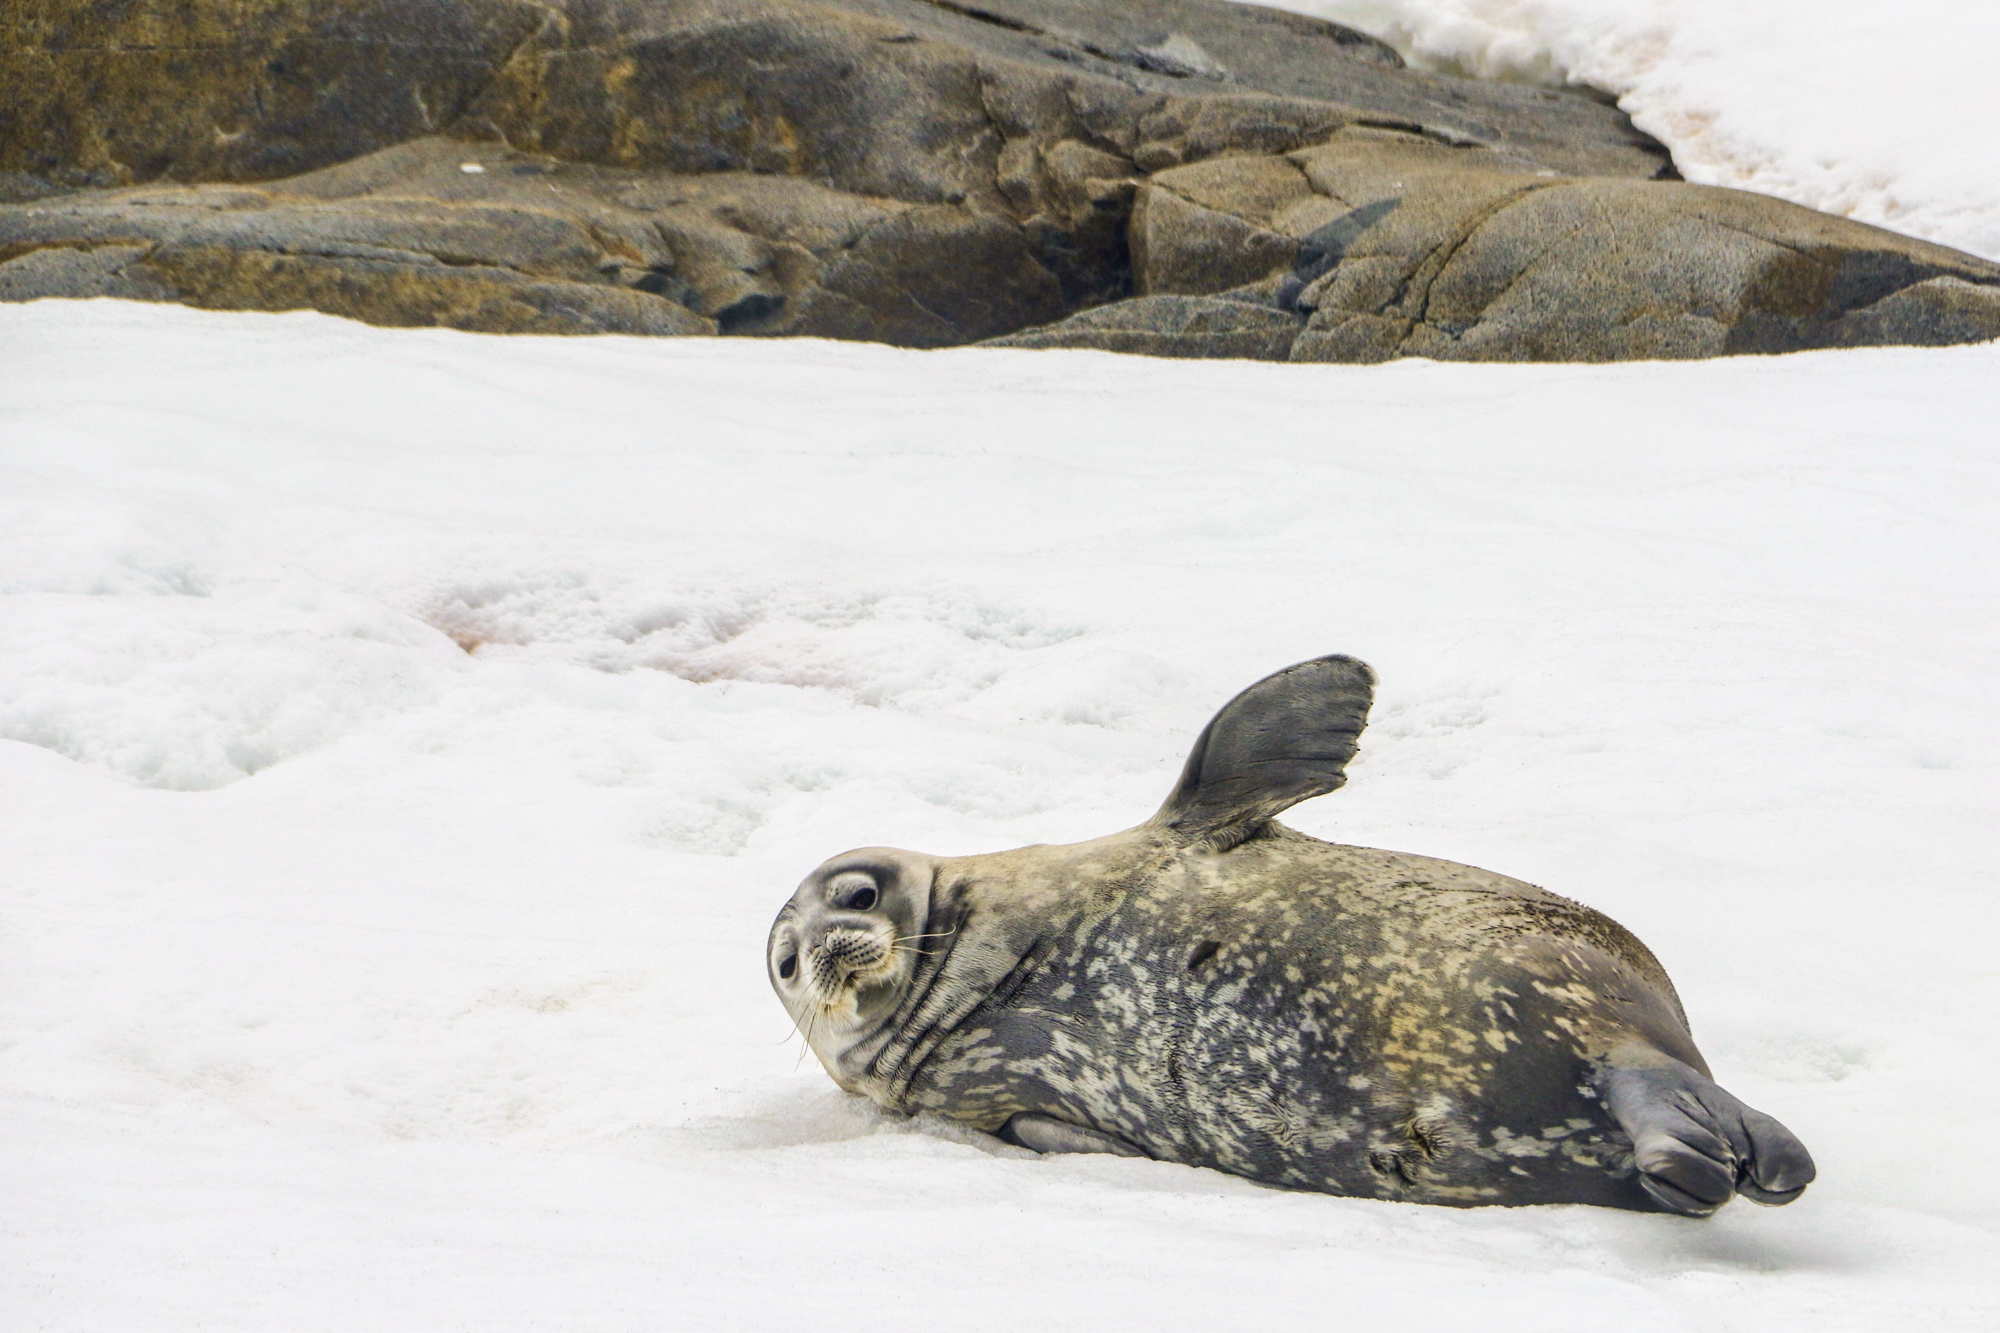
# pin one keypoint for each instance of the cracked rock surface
(1173, 177)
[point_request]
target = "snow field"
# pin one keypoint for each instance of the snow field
(407, 737)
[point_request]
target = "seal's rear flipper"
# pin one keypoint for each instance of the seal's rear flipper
(1695, 1144)
(1285, 739)
(1045, 1133)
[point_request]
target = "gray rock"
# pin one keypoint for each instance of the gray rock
(1185, 326)
(1394, 246)
(80, 271)
(925, 172)
(1933, 313)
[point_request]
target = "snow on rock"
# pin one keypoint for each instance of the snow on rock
(1883, 113)
(407, 737)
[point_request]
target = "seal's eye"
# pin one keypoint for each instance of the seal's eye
(789, 967)
(853, 891)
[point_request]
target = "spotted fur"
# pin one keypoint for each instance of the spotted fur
(1222, 991)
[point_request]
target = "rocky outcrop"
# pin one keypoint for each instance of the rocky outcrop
(1380, 244)
(1175, 177)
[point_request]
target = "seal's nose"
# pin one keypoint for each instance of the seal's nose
(845, 951)
(853, 949)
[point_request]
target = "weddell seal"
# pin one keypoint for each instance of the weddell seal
(1216, 989)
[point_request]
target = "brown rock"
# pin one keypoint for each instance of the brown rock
(1185, 326)
(1181, 177)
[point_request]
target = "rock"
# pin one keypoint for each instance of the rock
(1176, 177)
(1186, 326)
(1388, 245)
(118, 92)
(1935, 312)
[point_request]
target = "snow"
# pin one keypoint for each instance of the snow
(1889, 114)
(408, 737)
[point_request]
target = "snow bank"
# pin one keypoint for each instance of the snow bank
(408, 737)
(1889, 114)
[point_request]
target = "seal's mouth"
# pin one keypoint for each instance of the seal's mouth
(845, 960)
(849, 959)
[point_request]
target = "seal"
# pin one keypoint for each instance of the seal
(1215, 989)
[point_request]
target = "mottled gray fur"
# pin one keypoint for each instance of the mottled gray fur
(1215, 989)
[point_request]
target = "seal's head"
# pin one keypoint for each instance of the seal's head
(845, 949)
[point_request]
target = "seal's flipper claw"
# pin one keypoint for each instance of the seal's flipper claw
(1695, 1144)
(1768, 1198)
(1287, 738)
(1693, 1178)
(1045, 1133)
(1777, 1168)
(1676, 1200)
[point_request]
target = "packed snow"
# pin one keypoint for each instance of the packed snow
(1889, 114)
(410, 735)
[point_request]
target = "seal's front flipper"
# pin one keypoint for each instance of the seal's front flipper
(1285, 739)
(1695, 1144)
(1045, 1133)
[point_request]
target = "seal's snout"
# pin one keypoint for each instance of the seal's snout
(847, 951)
(858, 950)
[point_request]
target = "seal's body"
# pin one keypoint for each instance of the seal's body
(1215, 989)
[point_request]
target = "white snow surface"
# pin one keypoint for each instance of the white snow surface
(409, 736)
(1889, 114)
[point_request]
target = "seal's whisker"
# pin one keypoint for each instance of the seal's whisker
(798, 1028)
(812, 1021)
